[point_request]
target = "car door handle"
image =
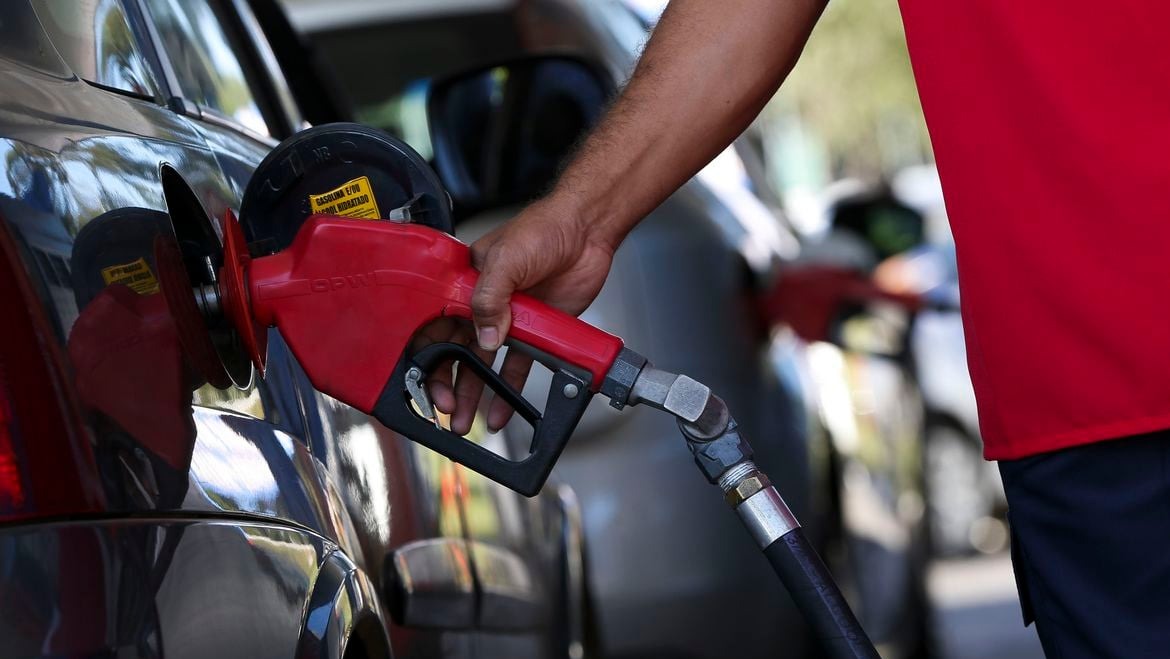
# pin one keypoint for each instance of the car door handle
(510, 597)
(428, 583)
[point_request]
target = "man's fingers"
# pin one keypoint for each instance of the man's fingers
(490, 303)
(468, 390)
(515, 371)
(444, 378)
(436, 331)
(439, 382)
(442, 392)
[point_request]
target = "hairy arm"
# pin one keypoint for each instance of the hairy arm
(706, 72)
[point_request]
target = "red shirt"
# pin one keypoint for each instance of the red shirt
(1050, 121)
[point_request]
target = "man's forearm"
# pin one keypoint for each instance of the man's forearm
(706, 72)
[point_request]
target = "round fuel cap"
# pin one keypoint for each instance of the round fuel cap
(341, 169)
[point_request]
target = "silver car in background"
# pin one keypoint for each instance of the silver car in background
(967, 502)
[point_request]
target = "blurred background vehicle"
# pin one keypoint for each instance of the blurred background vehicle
(897, 235)
(497, 93)
(966, 496)
(154, 502)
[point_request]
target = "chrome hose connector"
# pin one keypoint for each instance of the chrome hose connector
(749, 491)
(766, 516)
(741, 482)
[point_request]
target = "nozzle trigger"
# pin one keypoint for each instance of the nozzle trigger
(418, 393)
(406, 390)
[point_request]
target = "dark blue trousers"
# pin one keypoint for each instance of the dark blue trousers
(1091, 547)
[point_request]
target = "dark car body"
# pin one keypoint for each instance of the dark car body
(145, 512)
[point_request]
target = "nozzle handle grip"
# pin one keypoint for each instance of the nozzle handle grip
(554, 337)
(819, 599)
(567, 399)
(349, 298)
(347, 286)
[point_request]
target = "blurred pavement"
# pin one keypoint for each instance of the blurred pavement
(977, 610)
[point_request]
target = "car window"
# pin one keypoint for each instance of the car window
(209, 65)
(389, 91)
(95, 40)
(403, 115)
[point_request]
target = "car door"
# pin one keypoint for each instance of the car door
(397, 500)
(208, 494)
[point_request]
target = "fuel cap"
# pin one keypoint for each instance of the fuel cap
(339, 169)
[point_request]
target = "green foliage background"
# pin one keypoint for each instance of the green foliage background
(853, 89)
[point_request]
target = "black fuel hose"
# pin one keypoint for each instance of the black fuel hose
(725, 458)
(817, 596)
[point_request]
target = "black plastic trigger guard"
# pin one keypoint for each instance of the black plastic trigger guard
(550, 431)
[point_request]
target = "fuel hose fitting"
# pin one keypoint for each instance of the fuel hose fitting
(725, 458)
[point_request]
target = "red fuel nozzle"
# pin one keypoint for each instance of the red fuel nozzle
(233, 293)
(348, 296)
(809, 298)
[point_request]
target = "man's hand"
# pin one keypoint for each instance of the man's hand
(549, 252)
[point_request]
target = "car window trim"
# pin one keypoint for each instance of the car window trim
(169, 79)
(180, 104)
(255, 72)
(210, 116)
(142, 40)
(280, 94)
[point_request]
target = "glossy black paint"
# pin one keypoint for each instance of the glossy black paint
(249, 521)
(153, 588)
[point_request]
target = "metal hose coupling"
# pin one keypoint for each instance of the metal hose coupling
(701, 414)
(721, 453)
(758, 504)
(742, 481)
(717, 446)
(711, 422)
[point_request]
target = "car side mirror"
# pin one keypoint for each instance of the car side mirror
(501, 133)
(880, 221)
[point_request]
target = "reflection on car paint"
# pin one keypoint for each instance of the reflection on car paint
(233, 472)
(369, 473)
(244, 401)
(94, 37)
(134, 588)
(132, 377)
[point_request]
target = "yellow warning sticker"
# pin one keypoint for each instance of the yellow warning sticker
(136, 275)
(353, 199)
